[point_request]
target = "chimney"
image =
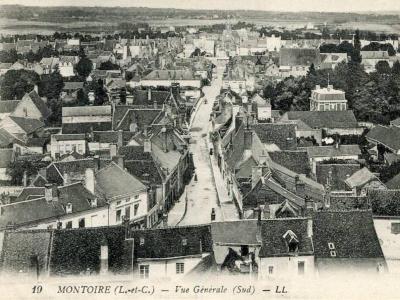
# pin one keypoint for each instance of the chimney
(309, 227)
(309, 206)
(120, 139)
(300, 187)
(147, 146)
(104, 257)
(113, 150)
(175, 89)
(25, 179)
(248, 139)
(317, 87)
(256, 174)
(330, 87)
(96, 160)
(89, 180)
(149, 94)
(65, 178)
(258, 211)
(50, 192)
(155, 104)
(121, 161)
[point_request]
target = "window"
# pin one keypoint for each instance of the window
(136, 196)
(333, 253)
(184, 242)
(331, 246)
(118, 215)
(135, 209)
(395, 228)
(81, 223)
(180, 268)
(128, 212)
(68, 224)
(300, 267)
(141, 241)
(144, 271)
(270, 270)
(118, 203)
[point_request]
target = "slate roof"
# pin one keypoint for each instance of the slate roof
(360, 178)
(273, 243)
(169, 242)
(170, 75)
(387, 136)
(27, 124)
(38, 209)
(8, 106)
(352, 233)
(141, 116)
(393, 183)
(6, 156)
(114, 182)
(296, 161)
(110, 136)
(281, 134)
(325, 119)
(240, 232)
(6, 139)
(340, 172)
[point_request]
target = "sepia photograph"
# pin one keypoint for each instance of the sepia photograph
(214, 149)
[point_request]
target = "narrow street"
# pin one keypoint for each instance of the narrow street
(202, 195)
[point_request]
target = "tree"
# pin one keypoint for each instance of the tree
(52, 85)
(84, 67)
(382, 67)
(10, 56)
(82, 98)
(396, 68)
(17, 168)
(108, 65)
(311, 71)
(18, 82)
(55, 105)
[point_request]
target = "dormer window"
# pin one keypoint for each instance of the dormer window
(68, 208)
(292, 241)
(93, 202)
(141, 241)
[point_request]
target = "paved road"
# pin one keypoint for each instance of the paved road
(202, 195)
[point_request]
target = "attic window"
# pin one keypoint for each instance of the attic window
(333, 253)
(291, 241)
(331, 246)
(141, 241)
(184, 242)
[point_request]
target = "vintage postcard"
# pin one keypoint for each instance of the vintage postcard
(215, 149)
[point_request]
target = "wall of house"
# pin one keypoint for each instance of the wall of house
(63, 147)
(26, 108)
(330, 266)
(284, 266)
(183, 83)
(388, 231)
(167, 268)
(3, 174)
(264, 112)
(344, 131)
(123, 203)
(314, 160)
(66, 70)
(86, 119)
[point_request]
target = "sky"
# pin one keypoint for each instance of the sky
(269, 5)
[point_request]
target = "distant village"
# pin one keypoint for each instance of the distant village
(232, 151)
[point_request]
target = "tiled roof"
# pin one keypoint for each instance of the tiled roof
(114, 182)
(76, 128)
(299, 57)
(281, 134)
(351, 232)
(241, 232)
(360, 178)
(76, 250)
(140, 116)
(8, 106)
(388, 136)
(6, 156)
(110, 136)
(333, 151)
(140, 97)
(274, 243)
(27, 124)
(172, 242)
(296, 161)
(325, 119)
(170, 75)
(340, 172)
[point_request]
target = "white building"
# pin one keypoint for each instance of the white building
(328, 98)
